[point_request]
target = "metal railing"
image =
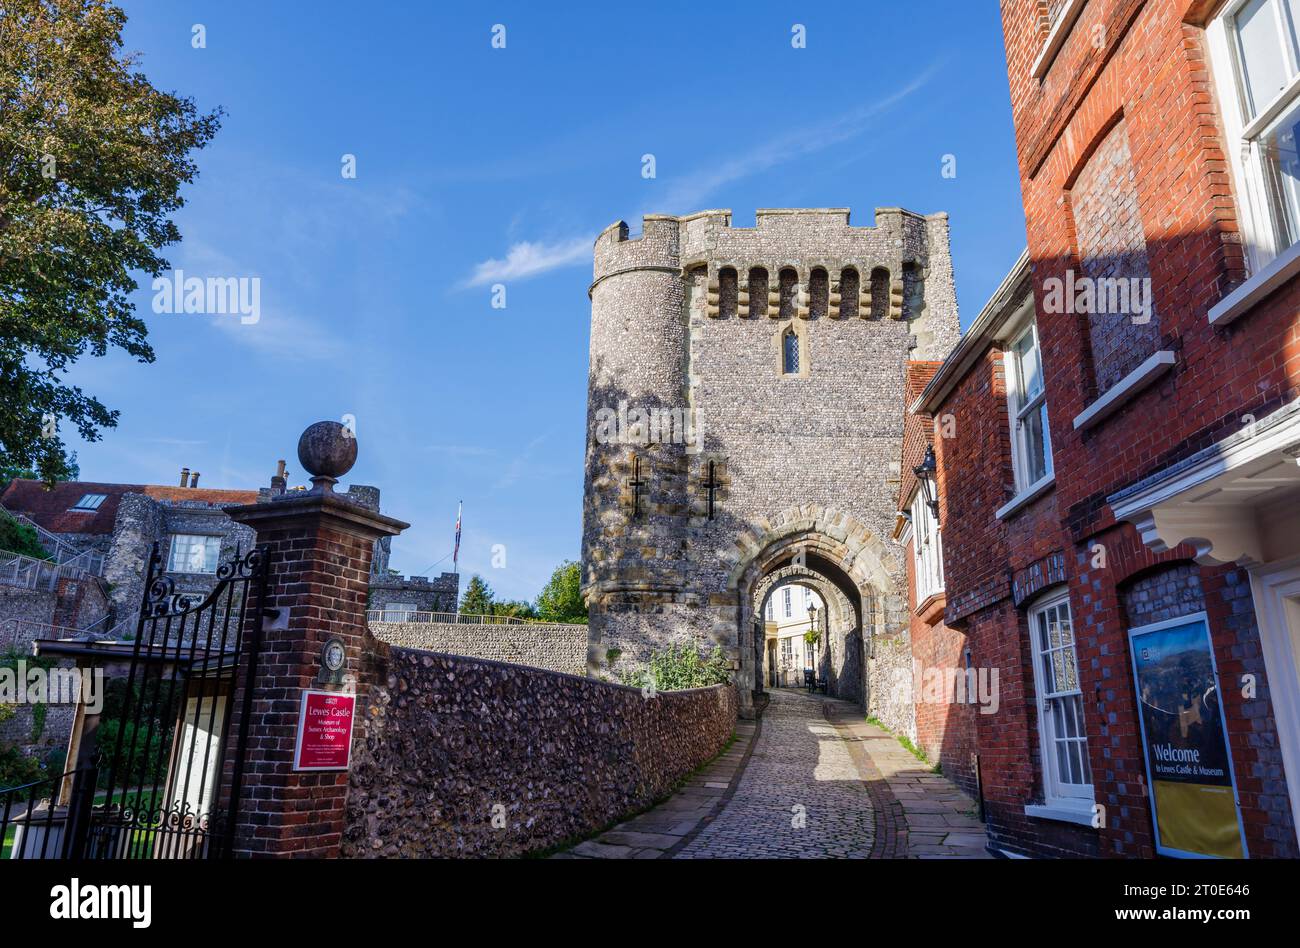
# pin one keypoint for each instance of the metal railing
(29, 629)
(45, 819)
(27, 572)
(62, 551)
(455, 618)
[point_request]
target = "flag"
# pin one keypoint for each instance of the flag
(455, 554)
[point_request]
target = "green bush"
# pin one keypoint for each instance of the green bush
(146, 754)
(681, 666)
(18, 537)
(16, 769)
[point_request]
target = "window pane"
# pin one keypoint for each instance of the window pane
(1062, 763)
(1282, 169)
(1076, 762)
(1035, 442)
(1069, 670)
(1058, 671)
(1293, 27)
(1029, 367)
(791, 347)
(1262, 62)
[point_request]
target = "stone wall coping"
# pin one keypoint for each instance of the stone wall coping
(585, 679)
(330, 509)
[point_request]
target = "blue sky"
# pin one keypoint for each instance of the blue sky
(478, 165)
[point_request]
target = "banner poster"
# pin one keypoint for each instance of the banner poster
(1185, 741)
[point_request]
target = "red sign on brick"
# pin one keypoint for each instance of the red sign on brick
(324, 731)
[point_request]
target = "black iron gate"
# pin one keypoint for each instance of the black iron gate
(165, 780)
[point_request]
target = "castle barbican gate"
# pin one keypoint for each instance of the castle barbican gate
(744, 425)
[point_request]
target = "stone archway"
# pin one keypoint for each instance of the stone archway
(838, 622)
(850, 568)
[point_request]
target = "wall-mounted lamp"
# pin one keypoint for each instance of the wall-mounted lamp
(925, 479)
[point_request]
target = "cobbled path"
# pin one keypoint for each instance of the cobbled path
(800, 797)
(817, 782)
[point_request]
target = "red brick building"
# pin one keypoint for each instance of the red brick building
(1120, 493)
(943, 700)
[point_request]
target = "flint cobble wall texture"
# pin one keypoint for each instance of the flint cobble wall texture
(450, 743)
(556, 648)
(797, 454)
(890, 680)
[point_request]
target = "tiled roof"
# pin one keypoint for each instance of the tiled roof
(51, 508)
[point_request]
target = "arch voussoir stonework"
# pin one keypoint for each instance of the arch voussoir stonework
(831, 550)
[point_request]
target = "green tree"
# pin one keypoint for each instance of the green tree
(514, 608)
(92, 161)
(561, 599)
(478, 597)
(12, 472)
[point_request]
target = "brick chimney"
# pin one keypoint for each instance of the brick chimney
(194, 479)
(185, 476)
(278, 480)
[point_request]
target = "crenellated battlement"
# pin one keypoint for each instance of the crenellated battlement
(794, 262)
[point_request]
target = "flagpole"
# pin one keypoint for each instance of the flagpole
(455, 553)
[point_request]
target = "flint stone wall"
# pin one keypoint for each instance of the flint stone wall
(450, 741)
(889, 675)
(561, 648)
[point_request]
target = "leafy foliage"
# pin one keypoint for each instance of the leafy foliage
(680, 666)
(92, 161)
(561, 599)
(143, 760)
(513, 608)
(145, 717)
(18, 537)
(17, 768)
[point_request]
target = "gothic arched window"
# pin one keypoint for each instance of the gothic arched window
(790, 353)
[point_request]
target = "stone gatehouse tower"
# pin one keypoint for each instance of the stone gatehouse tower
(744, 425)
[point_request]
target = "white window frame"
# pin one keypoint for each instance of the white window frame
(1019, 408)
(1263, 231)
(788, 606)
(1068, 800)
(96, 501)
(1058, 32)
(208, 542)
(927, 550)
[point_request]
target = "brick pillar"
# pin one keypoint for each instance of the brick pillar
(320, 546)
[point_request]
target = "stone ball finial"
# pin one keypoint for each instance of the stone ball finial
(327, 450)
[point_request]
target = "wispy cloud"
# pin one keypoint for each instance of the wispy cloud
(279, 331)
(690, 193)
(520, 464)
(531, 258)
